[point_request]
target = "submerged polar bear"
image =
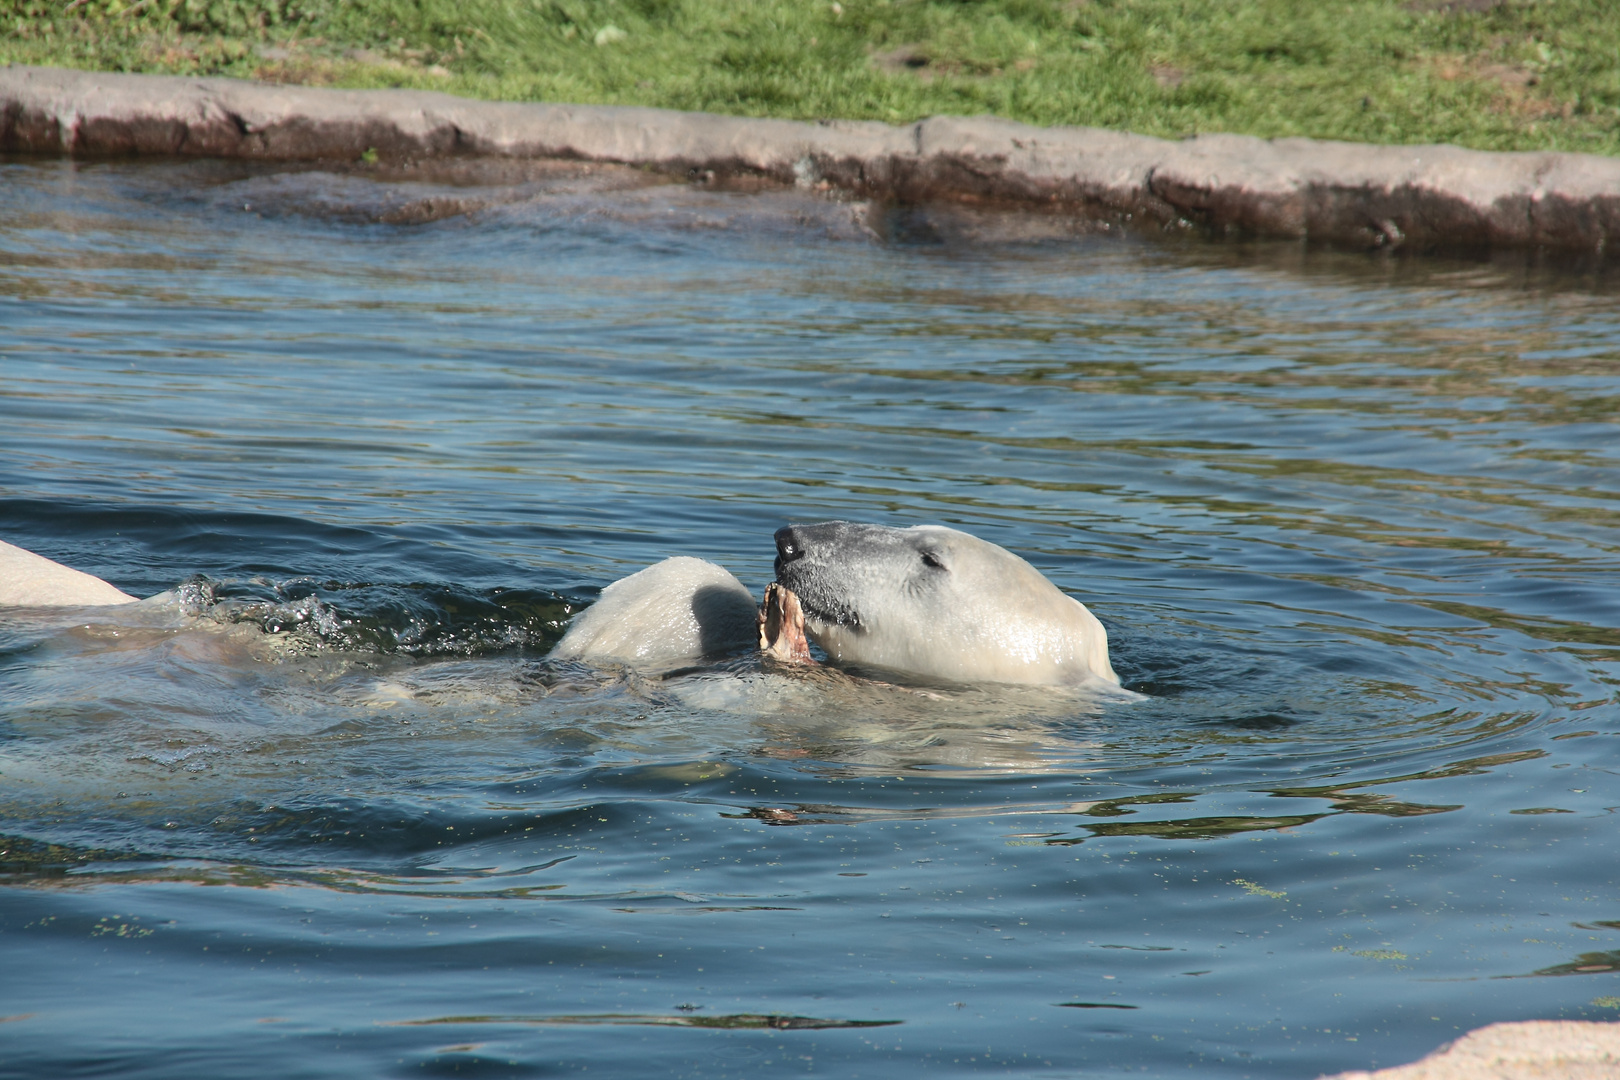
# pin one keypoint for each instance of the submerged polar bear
(929, 601)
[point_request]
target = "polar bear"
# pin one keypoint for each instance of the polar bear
(29, 580)
(674, 612)
(939, 603)
(928, 601)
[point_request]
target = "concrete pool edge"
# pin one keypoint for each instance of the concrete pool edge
(1373, 196)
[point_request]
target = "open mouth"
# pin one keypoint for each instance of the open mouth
(808, 585)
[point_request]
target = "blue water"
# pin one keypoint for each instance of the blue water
(1353, 524)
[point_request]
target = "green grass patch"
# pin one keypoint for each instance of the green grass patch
(1519, 75)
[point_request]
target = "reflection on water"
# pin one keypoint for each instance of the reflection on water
(374, 437)
(1592, 963)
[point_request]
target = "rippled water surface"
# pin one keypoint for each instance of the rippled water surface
(327, 811)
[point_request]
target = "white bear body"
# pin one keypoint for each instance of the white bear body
(676, 611)
(29, 580)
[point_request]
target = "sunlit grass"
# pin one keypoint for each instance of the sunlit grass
(1518, 75)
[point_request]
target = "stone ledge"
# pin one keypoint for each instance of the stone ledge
(1301, 188)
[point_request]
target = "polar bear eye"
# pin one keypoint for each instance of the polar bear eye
(930, 559)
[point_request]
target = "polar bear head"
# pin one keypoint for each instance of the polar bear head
(939, 603)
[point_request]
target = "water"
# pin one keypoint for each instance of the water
(1350, 522)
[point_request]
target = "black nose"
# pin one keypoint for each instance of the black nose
(788, 546)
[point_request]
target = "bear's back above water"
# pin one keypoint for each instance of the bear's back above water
(673, 612)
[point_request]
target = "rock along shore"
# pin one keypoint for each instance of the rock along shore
(1527, 1050)
(1425, 196)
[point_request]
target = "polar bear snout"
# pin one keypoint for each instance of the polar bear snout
(789, 546)
(832, 542)
(827, 542)
(816, 561)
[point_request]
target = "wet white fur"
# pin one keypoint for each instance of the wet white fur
(679, 610)
(29, 580)
(986, 615)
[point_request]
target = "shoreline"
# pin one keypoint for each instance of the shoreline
(1347, 193)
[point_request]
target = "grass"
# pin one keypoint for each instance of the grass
(1516, 75)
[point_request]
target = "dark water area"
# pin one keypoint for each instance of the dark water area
(326, 810)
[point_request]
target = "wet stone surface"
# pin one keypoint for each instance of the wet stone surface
(1414, 197)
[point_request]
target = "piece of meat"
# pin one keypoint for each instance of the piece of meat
(781, 627)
